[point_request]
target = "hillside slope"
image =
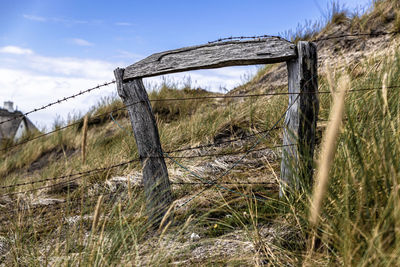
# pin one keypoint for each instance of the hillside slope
(58, 210)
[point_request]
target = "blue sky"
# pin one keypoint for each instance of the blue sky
(50, 49)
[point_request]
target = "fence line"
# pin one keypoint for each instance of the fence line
(208, 183)
(82, 174)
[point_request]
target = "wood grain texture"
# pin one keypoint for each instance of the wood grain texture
(301, 119)
(155, 175)
(214, 55)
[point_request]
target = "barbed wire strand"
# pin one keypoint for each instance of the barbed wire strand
(124, 163)
(85, 173)
(80, 174)
(58, 101)
(233, 38)
(177, 99)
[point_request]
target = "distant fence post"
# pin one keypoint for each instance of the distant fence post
(84, 138)
(155, 175)
(301, 119)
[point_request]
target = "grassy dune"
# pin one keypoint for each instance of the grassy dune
(100, 219)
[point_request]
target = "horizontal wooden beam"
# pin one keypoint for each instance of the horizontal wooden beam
(213, 55)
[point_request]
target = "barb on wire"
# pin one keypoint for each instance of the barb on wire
(58, 101)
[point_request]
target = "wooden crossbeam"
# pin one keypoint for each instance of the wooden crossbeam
(213, 55)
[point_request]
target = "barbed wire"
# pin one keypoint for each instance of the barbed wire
(80, 174)
(235, 38)
(58, 101)
(181, 99)
(85, 173)
(39, 136)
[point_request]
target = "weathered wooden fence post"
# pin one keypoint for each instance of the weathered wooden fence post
(301, 119)
(155, 175)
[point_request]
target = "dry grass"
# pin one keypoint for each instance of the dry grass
(103, 222)
(328, 149)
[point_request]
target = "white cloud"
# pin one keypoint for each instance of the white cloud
(32, 80)
(68, 21)
(123, 24)
(217, 80)
(128, 55)
(81, 42)
(65, 21)
(34, 18)
(15, 50)
(55, 66)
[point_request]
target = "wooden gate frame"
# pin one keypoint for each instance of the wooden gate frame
(301, 117)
